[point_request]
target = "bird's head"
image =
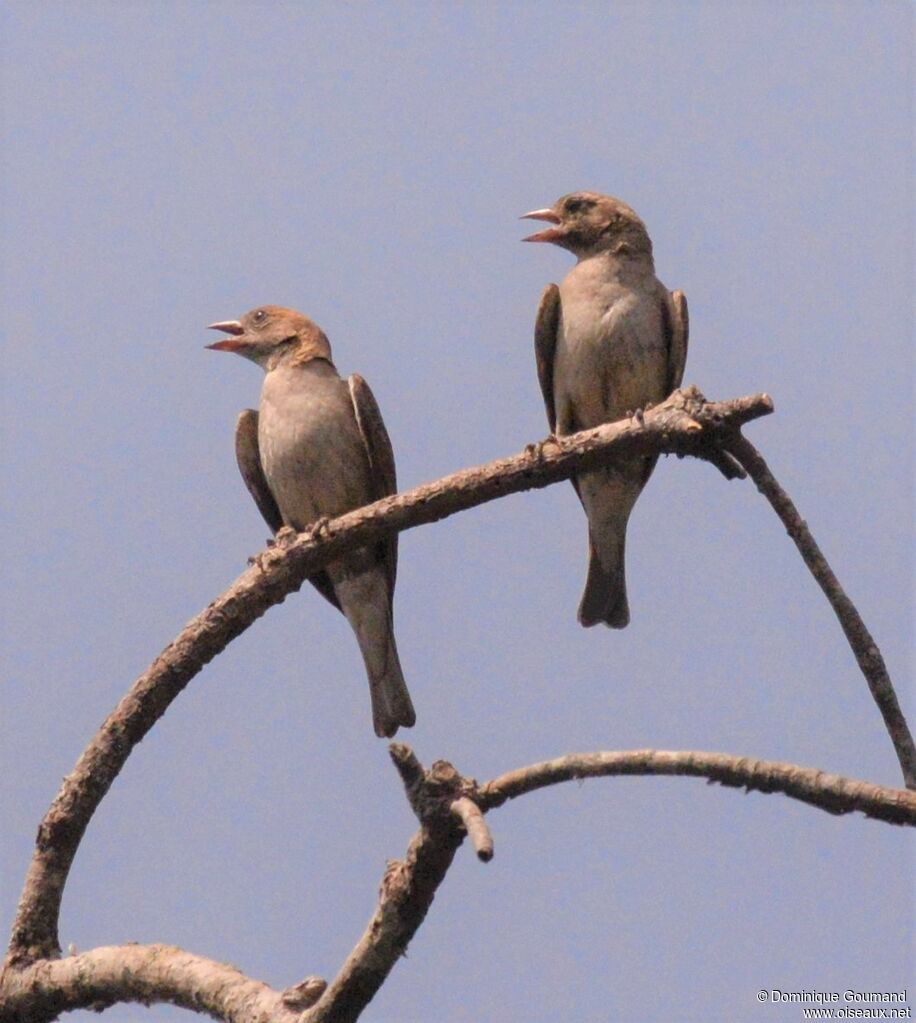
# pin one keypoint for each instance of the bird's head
(587, 223)
(272, 334)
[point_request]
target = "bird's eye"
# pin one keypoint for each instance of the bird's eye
(259, 316)
(577, 205)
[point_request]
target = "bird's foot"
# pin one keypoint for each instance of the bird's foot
(258, 559)
(640, 416)
(320, 528)
(286, 535)
(537, 448)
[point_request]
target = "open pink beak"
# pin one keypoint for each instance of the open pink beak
(229, 344)
(549, 234)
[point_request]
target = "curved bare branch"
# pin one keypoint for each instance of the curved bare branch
(860, 639)
(439, 796)
(138, 973)
(684, 424)
(37, 992)
(37, 985)
(830, 792)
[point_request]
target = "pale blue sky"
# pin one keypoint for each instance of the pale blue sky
(170, 164)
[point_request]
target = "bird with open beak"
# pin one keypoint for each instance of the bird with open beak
(318, 448)
(610, 340)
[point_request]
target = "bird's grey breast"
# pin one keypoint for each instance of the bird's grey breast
(311, 449)
(611, 347)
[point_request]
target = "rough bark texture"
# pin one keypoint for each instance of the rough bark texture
(138, 973)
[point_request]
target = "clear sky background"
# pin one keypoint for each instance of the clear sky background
(170, 164)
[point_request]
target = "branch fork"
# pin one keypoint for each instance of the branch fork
(443, 799)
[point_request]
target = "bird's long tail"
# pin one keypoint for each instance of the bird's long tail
(364, 600)
(608, 496)
(391, 703)
(605, 596)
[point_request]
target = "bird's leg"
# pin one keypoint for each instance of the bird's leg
(284, 537)
(536, 448)
(320, 528)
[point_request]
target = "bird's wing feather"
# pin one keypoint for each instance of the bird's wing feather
(381, 463)
(248, 456)
(546, 325)
(678, 325)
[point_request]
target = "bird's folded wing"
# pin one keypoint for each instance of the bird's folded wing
(546, 325)
(248, 456)
(678, 326)
(381, 462)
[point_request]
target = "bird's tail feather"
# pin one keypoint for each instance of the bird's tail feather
(391, 703)
(605, 596)
(364, 599)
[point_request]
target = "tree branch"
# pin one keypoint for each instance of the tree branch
(406, 892)
(471, 817)
(405, 895)
(36, 985)
(860, 639)
(684, 424)
(830, 792)
(36, 992)
(438, 796)
(138, 973)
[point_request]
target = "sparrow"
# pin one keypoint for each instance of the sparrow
(610, 340)
(318, 448)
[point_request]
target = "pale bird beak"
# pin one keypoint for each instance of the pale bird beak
(228, 344)
(228, 327)
(547, 215)
(550, 234)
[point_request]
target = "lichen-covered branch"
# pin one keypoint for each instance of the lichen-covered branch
(860, 639)
(138, 973)
(685, 424)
